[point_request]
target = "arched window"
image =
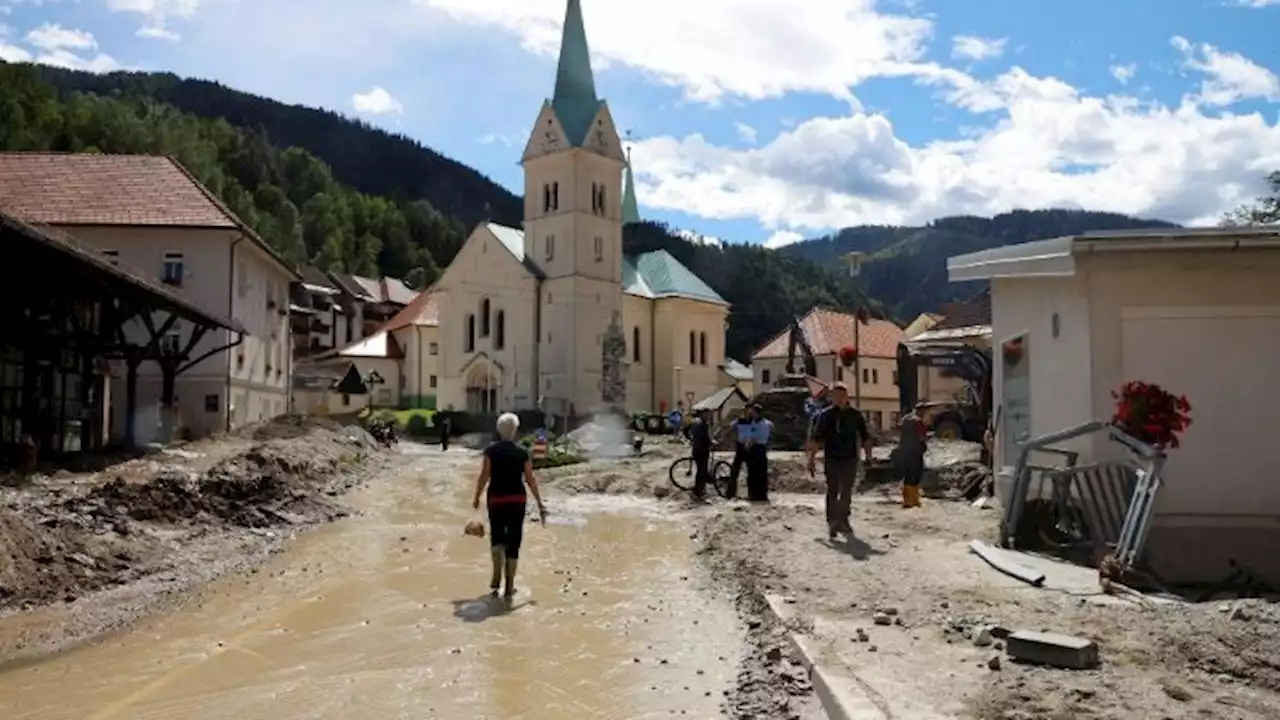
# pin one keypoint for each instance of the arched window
(471, 333)
(484, 317)
(702, 348)
(693, 348)
(635, 344)
(500, 330)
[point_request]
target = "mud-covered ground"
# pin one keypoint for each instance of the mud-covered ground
(1158, 660)
(85, 553)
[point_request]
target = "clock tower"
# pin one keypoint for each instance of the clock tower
(573, 195)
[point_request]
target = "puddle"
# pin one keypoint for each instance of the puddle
(386, 615)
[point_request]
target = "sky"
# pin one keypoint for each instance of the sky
(765, 121)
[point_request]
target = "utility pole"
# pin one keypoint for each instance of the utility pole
(853, 264)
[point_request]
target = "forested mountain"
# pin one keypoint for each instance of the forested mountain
(907, 267)
(346, 196)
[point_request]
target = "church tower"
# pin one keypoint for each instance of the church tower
(573, 216)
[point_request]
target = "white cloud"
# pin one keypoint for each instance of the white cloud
(498, 139)
(746, 132)
(749, 48)
(156, 14)
(1124, 73)
(1229, 77)
(783, 238)
(971, 47)
(1049, 145)
(55, 37)
(700, 239)
(377, 102)
(1256, 4)
(62, 47)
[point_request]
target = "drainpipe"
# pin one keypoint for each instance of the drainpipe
(231, 312)
(653, 366)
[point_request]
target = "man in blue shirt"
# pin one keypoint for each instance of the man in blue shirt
(758, 433)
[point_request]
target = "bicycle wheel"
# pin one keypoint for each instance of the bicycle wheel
(720, 474)
(681, 473)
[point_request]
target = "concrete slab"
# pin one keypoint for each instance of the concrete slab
(1052, 649)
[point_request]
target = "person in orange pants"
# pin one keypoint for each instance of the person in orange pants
(912, 442)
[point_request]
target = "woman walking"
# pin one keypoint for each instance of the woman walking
(506, 470)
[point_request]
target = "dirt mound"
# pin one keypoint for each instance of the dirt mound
(45, 562)
(288, 427)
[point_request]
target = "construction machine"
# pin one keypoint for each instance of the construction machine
(796, 340)
(966, 417)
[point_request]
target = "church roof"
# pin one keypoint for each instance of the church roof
(630, 209)
(575, 101)
(652, 275)
(658, 274)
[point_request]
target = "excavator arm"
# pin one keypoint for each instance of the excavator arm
(798, 341)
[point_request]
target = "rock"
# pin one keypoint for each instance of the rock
(862, 635)
(1053, 649)
(994, 662)
(1177, 692)
(881, 618)
(983, 638)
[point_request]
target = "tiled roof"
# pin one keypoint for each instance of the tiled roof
(92, 259)
(652, 275)
(424, 311)
(658, 274)
(381, 344)
(52, 188)
(312, 275)
(736, 370)
(971, 312)
(827, 331)
(395, 291)
(349, 285)
(717, 399)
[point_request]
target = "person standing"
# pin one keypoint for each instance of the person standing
(741, 432)
(912, 443)
(445, 428)
(700, 439)
(838, 432)
(760, 431)
(507, 469)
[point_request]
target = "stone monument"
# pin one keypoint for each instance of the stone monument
(614, 366)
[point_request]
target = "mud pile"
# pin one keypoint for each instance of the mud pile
(68, 535)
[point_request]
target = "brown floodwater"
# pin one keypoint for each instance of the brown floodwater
(385, 615)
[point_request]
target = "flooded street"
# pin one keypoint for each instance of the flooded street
(386, 615)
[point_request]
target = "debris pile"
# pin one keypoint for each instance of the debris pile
(785, 408)
(66, 535)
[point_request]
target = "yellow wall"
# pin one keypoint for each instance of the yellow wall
(674, 320)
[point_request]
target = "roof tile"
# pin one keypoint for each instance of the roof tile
(827, 331)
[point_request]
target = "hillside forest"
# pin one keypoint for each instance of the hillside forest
(348, 197)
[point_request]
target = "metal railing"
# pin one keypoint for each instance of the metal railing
(1108, 505)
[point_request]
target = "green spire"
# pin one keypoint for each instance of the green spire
(575, 101)
(630, 210)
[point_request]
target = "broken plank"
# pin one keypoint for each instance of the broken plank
(997, 560)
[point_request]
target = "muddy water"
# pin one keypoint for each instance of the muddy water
(386, 615)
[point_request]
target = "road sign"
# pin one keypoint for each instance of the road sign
(676, 419)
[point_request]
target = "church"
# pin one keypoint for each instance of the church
(527, 317)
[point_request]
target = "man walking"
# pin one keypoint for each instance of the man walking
(839, 430)
(910, 456)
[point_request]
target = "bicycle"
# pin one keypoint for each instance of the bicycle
(682, 472)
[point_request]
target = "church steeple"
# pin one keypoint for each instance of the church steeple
(630, 210)
(575, 101)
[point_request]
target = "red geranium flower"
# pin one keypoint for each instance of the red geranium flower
(848, 354)
(1151, 414)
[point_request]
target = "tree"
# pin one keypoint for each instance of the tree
(1264, 211)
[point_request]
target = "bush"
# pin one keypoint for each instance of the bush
(418, 426)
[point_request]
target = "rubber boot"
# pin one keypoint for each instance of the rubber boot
(913, 496)
(511, 578)
(906, 495)
(499, 555)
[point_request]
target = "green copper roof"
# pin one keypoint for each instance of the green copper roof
(658, 274)
(630, 210)
(575, 101)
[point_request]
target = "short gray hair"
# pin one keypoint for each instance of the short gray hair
(508, 425)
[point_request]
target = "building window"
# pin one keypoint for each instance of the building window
(471, 333)
(895, 377)
(173, 272)
(484, 317)
(895, 420)
(435, 348)
(866, 376)
(551, 247)
(597, 199)
(555, 196)
(212, 403)
(432, 381)
(346, 399)
(113, 256)
(170, 343)
(875, 419)
(702, 348)
(839, 373)
(599, 248)
(875, 376)
(635, 344)
(764, 377)
(546, 198)
(500, 331)
(693, 348)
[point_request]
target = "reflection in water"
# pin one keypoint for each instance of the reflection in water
(381, 616)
